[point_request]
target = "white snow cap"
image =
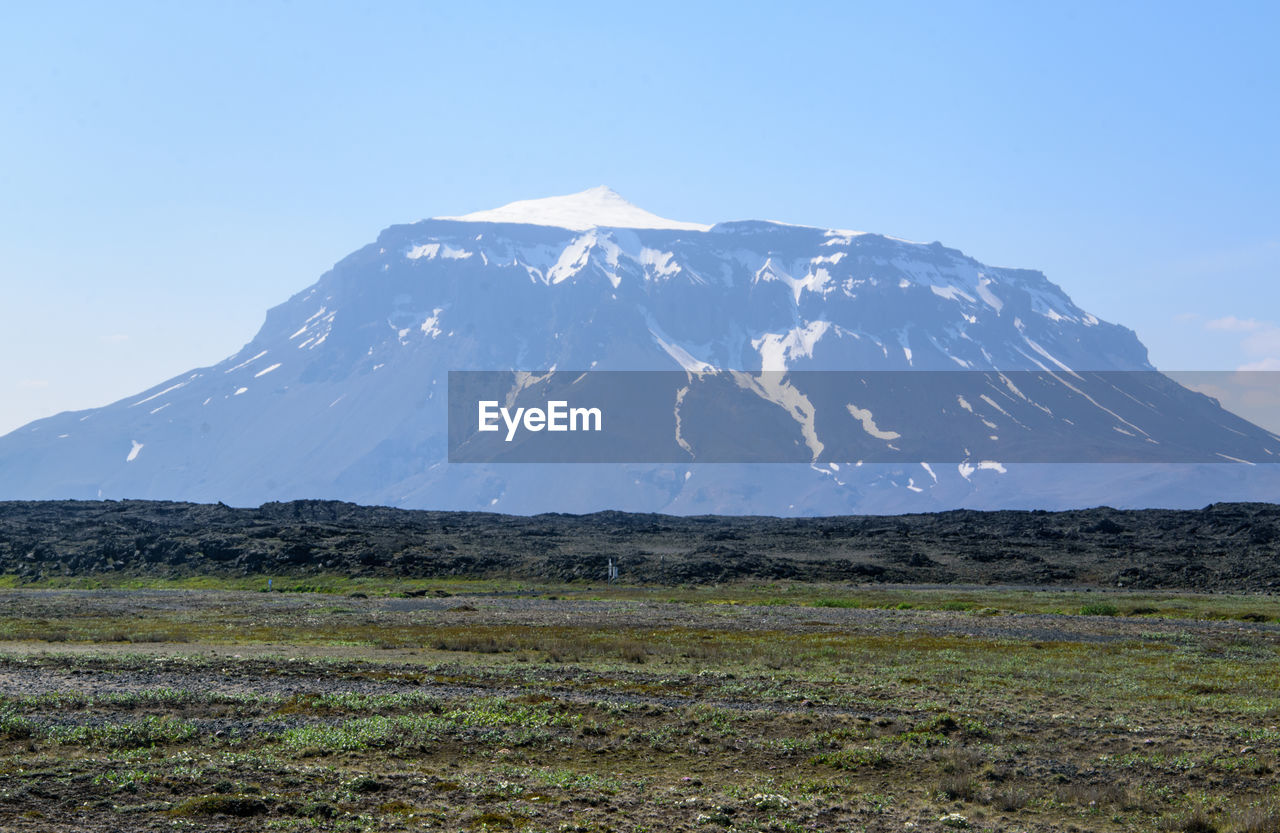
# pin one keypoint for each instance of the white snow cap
(592, 208)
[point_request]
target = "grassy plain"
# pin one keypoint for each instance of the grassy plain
(375, 704)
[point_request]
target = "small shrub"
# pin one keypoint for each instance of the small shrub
(946, 724)
(592, 729)
(1099, 609)
(852, 759)
(15, 726)
(221, 805)
(959, 760)
(634, 652)
(1011, 799)
(318, 810)
(563, 651)
(957, 787)
(1196, 821)
(771, 801)
(366, 784)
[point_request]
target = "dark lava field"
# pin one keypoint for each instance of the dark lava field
(1218, 548)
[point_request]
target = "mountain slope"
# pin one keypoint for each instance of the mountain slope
(341, 393)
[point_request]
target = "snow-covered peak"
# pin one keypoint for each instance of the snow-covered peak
(592, 208)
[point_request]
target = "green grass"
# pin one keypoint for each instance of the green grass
(874, 719)
(145, 731)
(1151, 604)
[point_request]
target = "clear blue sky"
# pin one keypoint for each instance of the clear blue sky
(168, 171)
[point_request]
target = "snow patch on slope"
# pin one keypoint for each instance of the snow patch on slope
(776, 348)
(683, 357)
(869, 424)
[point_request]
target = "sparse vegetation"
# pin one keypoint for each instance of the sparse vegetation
(491, 706)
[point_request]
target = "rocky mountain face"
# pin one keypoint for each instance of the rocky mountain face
(342, 392)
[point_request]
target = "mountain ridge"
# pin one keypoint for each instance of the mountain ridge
(340, 393)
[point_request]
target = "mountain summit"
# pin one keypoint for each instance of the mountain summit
(342, 393)
(599, 207)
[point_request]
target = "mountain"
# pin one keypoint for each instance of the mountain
(342, 393)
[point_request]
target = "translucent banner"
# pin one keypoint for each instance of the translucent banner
(857, 416)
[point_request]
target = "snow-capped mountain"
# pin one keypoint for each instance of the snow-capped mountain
(342, 392)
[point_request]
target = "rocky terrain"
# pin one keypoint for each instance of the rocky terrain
(1223, 547)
